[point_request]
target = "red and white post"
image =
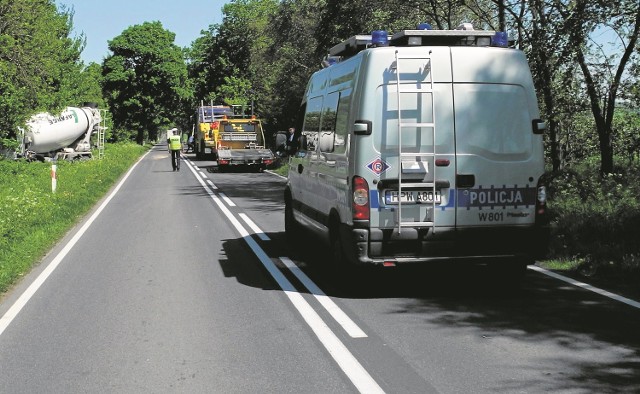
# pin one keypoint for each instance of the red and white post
(54, 177)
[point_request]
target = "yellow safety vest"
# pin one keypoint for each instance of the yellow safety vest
(174, 142)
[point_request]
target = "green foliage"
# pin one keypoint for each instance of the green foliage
(39, 62)
(88, 87)
(626, 133)
(229, 63)
(32, 218)
(596, 218)
(145, 80)
(294, 59)
(234, 91)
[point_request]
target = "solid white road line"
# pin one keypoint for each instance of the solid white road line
(586, 286)
(255, 228)
(347, 362)
(334, 310)
(35, 285)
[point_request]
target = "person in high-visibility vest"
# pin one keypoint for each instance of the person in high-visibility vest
(175, 146)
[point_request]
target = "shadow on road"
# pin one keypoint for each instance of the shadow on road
(594, 340)
(597, 338)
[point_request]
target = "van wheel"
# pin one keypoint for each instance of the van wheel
(337, 250)
(291, 227)
(339, 258)
(345, 271)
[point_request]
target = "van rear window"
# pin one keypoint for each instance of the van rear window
(493, 118)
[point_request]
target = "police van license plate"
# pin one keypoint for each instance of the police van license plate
(411, 197)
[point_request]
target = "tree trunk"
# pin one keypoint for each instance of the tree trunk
(606, 150)
(140, 137)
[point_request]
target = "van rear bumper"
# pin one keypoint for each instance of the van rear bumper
(412, 245)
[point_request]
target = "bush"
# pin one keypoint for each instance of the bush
(597, 218)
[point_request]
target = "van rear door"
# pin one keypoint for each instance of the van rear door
(407, 151)
(498, 157)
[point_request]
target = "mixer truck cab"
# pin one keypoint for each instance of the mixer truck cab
(418, 147)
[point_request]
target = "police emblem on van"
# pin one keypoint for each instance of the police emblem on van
(378, 166)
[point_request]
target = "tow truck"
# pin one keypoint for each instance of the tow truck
(235, 138)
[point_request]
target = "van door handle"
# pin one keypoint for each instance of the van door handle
(300, 168)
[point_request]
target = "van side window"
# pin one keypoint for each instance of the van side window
(329, 116)
(311, 126)
(342, 117)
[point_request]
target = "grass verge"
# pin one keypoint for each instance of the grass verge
(33, 218)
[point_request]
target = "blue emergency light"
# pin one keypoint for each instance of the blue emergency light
(424, 26)
(379, 38)
(500, 39)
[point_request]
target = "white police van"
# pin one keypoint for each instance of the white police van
(421, 146)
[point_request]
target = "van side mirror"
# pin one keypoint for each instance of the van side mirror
(362, 127)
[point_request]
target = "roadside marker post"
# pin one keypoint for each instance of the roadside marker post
(54, 177)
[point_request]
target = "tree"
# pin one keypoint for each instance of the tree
(145, 80)
(558, 37)
(229, 62)
(603, 79)
(39, 62)
(294, 58)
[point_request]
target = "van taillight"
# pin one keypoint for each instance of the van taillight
(360, 199)
(541, 204)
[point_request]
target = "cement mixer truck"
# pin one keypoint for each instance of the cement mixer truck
(66, 136)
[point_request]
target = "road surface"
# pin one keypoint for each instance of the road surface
(183, 282)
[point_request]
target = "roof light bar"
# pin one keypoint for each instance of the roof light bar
(463, 35)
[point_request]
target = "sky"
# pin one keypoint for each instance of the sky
(103, 20)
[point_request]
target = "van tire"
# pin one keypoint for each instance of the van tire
(291, 227)
(339, 258)
(344, 269)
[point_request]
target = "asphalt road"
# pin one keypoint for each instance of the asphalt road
(183, 282)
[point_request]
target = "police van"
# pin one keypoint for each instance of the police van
(425, 145)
